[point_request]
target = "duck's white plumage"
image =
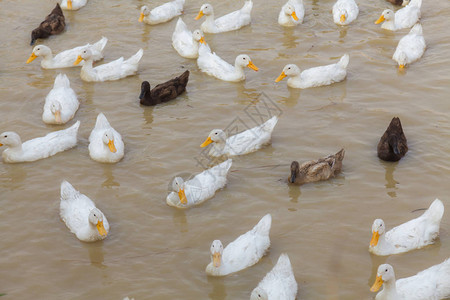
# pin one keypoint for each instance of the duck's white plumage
(73, 4)
(292, 13)
(345, 12)
(228, 22)
(405, 17)
(105, 143)
(66, 58)
(243, 252)
(162, 13)
(186, 42)
(314, 77)
(410, 47)
(81, 215)
(200, 188)
(278, 284)
(430, 284)
(244, 142)
(61, 103)
(414, 234)
(38, 148)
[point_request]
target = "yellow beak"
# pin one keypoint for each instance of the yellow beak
(202, 40)
(381, 19)
(101, 229)
(141, 17)
(252, 66)
(58, 116)
(182, 196)
(279, 78)
(207, 142)
(111, 146)
(200, 14)
(1, 144)
(216, 259)
(342, 18)
(375, 237)
(79, 59)
(69, 4)
(294, 15)
(377, 285)
(31, 58)
(401, 67)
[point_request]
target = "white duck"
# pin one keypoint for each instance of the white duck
(73, 4)
(114, 70)
(81, 216)
(345, 12)
(200, 188)
(278, 284)
(228, 22)
(405, 17)
(243, 252)
(213, 65)
(292, 13)
(410, 47)
(61, 103)
(66, 58)
(186, 42)
(314, 77)
(414, 234)
(38, 148)
(430, 284)
(162, 13)
(105, 143)
(244, 142)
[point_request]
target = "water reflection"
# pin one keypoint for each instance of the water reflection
(342, 33)
(289, 40)
(390, 181)
(109, 178)
(294, 193)
(148, 114)
(96, 254)
(13, 177)
(180, 220)
(218, 288)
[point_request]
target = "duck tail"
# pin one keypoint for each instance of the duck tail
(184, 78)
(263, 226)
(180, 26)
(343, 62)
(67, 191)
(100, 45)
(225, 166)
(269, 125)
(102, 121)
(417, 29)
(134, 60)
(61, 81)
(247, 8)
(73, 130)
(340, 155)
(435, 211)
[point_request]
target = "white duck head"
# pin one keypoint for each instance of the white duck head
(86, 54)
(10, 139)
(378, 229)
(39, 50)
(216, 136)
(198, 36)
(387, 15)
(289, 70)
(385, 275)
(289, 10)
(205, 10)
(108, 139)
(259, 294)
(145, 11)
(402, 60)
(216, 253)
(96, 219)
(243, 60)
(178, 186)
(55, 108)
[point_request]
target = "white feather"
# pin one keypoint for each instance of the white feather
(63, 97)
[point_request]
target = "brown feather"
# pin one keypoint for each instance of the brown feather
(165, 91)
(392, 138)
(54, 23)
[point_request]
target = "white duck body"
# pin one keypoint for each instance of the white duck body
(405, 17)
(414, 234)
(81, 216)
(410, 47)
(278, 284)
(244, 142)
(228, 22)
(38, 148)
(186, 43)
(105, 143)
(74, 4)
(114, 70)
(314, 77)
(66, 58)
(61, 103)
(243, 252)
(200, 188)
(292, 13)
(162, 13)
(430, 284)
(345, 12)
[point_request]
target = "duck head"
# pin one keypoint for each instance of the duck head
(205, 10)
(288, 70)
(216, 253)
(259, 294)
(145, 11)
(10, 139)
(86, 54)
(343, 15)
(178, 186)
(378, 229)
(39, 50)
(387, 15)
(38, 33)
(145, 88)
(385, 274)
(289, 10)
(198, 36)
(215, 136)
(96, 219)
(244, 60)
(295, 169)
(108, 139)
(401, 60)
(55, 108)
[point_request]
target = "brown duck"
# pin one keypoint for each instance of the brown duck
(396, 2)
(163, 92)
(392, 145)
(316, 170)
(54, 23)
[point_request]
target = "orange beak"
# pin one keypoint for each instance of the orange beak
(1, 144)
(252, 66)
(31, 58)
(374, 240)
(381, 19)
(401, 67)
(141, 17)
(58, 116)
(79, 59)
(200, 14)
(279, 78)
(202, 40)
(182, 196)
(342, 18)
(69, 4)
(216, 259)
(112, 147)
(101, 229)
(377, 285)
(207, 142)
(294, 15)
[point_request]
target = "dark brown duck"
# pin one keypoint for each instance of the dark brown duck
(396, 2)
(393, 145)
(163, 92)
(54, 23)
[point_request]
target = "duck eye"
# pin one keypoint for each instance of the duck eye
(5, 136)
(386, 270)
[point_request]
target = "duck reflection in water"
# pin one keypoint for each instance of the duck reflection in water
(96, 254)
(219, 291)
(390, 181)
(109, 178)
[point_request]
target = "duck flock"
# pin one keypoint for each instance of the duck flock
(106, 144)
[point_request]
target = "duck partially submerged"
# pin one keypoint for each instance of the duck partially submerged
(185, 42)
(345, 12)
(54, 23)
(61, 103)
(163, 92)
(317, 170)
(410, 47)
(228, 22)
(393, 145)
(105, 143)
(162, 13)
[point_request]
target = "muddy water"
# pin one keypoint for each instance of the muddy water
(157, 252)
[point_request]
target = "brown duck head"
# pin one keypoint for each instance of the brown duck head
(295, 169)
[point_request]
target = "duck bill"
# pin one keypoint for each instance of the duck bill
(381, 19)
(207, 142)
(294, 16)
(58, 116)
(374, 240)
(1, 144)
(401, 67)
(202, 40)
(279, 78)
(31, 58)
(377, 285)
(141, 18)
(112, 147)
(342, 18)
(69, 4)
(252, 66)
(79, 59)
(293, 177)
(101, 229)
(182, 196)
(216, 259)
(200, 14)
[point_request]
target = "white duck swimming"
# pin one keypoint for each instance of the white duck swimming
(279, 283)
(105, 143)
(292, 13)
(186, 42)
(410, 47)
(414, 234)
(430, 284)
(38, 148)
(241, 253)
(61, 103)
(314, 77)
(405, 17)
(213, 65)
(162, 13)
(66, 58)
(228, 22)
(244, 142)
(200, 188)
(81, 216)
(73, 4)
(345, 12)
(114, 70)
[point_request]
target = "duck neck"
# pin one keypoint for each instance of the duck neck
(390, 290)
(217, 148)
(389, 24)
(383, 245)
(239, 70)
(209, 21)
